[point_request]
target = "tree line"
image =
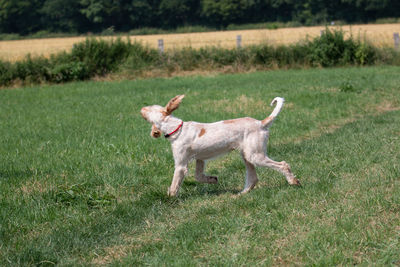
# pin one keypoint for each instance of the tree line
(82, 16)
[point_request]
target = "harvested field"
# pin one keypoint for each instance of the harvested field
(378, 34)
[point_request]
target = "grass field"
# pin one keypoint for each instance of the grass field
(83, 183)
(378, 34)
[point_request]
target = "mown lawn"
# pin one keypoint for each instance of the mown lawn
(83, 183)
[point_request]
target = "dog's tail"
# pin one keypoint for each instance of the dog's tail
(268, 120)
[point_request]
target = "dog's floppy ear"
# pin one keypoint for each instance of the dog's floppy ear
(155, 132)
(173, 104)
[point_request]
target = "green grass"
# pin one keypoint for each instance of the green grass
(83, 183)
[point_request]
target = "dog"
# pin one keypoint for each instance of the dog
(203, 141)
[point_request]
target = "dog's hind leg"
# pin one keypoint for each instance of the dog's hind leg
(282, 167)
(200, 176)
(251, 177)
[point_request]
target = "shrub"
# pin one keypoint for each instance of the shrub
(9, 36)
(99, 56)
(365, 54)
(212, 57)
(389, 56)
(32, 70)
(332, 49)
(141, 57)
(183, 59)
(6, 75)
(262, 54)
(219, 56)
(73, 71)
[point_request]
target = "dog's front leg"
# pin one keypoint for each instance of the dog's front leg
(179, 174)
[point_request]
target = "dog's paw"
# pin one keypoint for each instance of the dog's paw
(295, 182)
(171, 193)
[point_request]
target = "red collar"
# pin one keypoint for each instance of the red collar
(171, 133)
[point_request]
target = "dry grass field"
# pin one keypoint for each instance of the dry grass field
(379, 34)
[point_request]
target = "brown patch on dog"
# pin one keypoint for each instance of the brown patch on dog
(165, 113)
(202, 132)
(267, 120)
(240, 120)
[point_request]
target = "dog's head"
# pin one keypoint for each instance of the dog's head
(157, 115)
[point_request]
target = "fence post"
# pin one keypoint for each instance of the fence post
(396, 40)
(161, 45)
(321, 32)
(238, 41)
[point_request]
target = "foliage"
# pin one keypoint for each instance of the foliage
(73, 71)
(6, 73)
(224, 12)
(82, 16)
(332, 49)
(20, 16)
(32, 70)
(98, 57)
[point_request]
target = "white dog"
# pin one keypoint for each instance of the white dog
(203, 141)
